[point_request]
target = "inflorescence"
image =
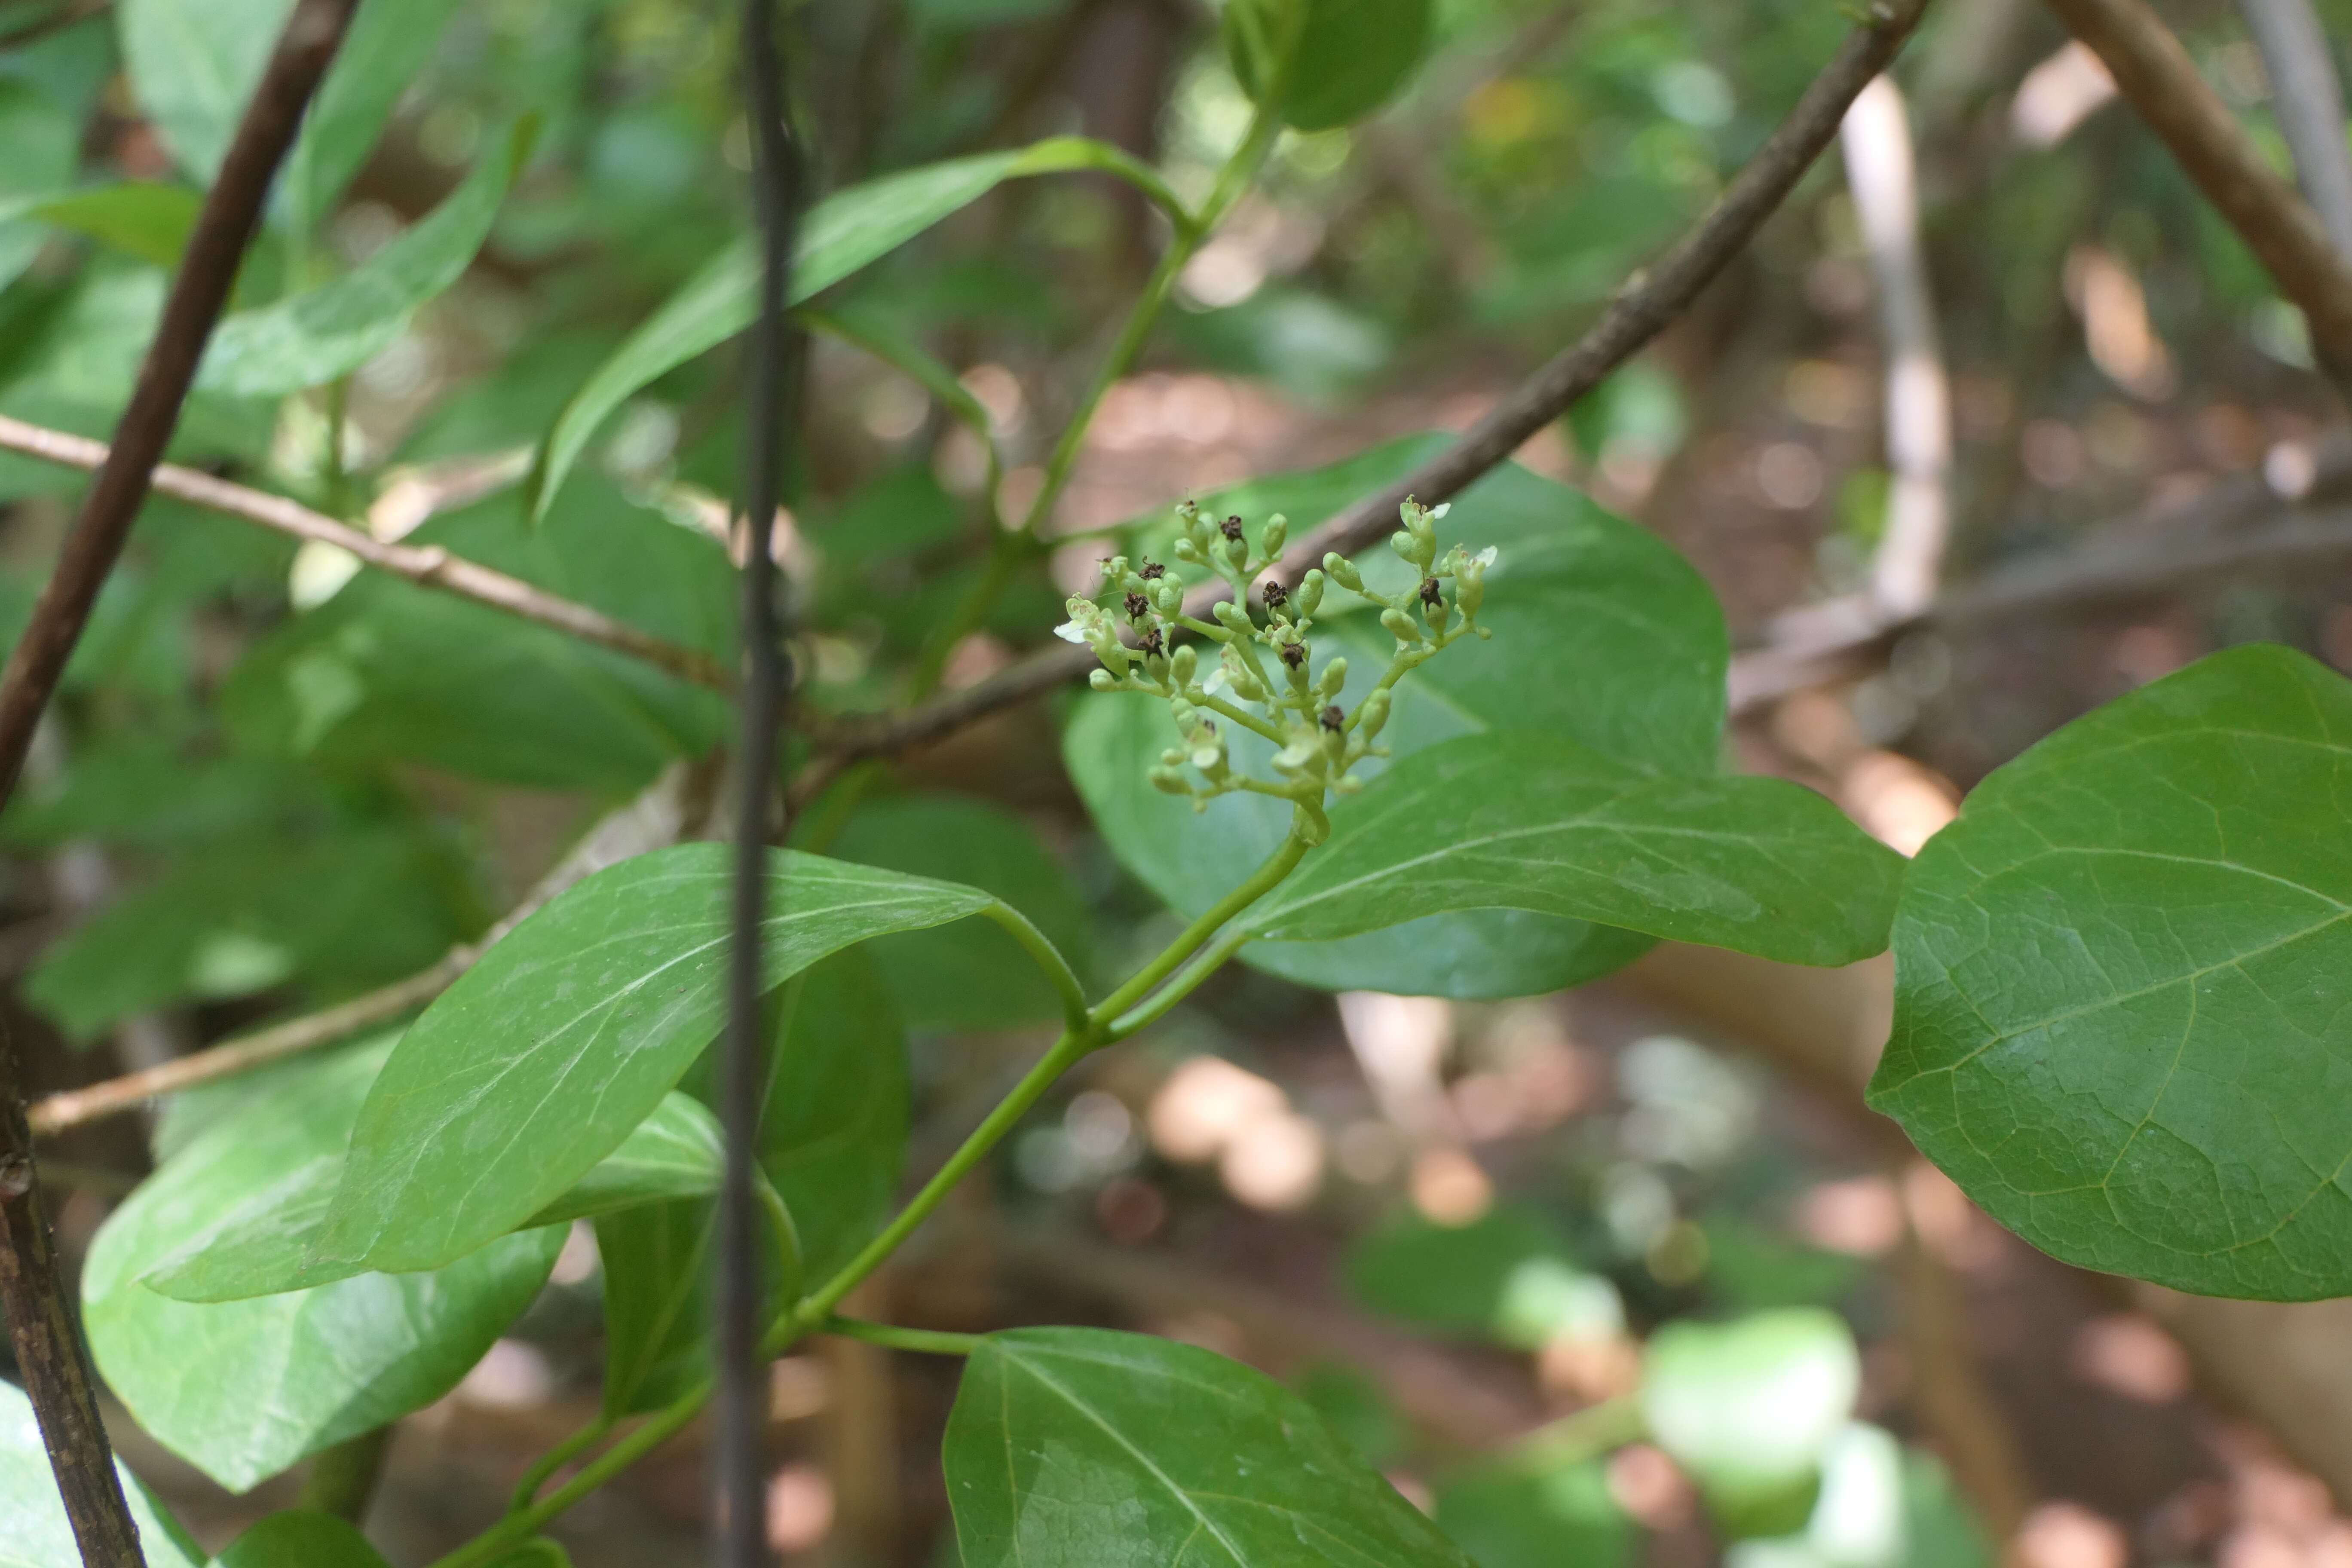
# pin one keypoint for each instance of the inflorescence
(1266, 680)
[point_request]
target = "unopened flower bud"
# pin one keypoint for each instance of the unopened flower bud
(1400, 625)
(1404, 544)
(1233, 617)
(1187, 717)
(1335, 676)
(1188, 551)
(1168, 781)
(1239, 677)
(1277, 533)
(1102, 680)
(1183, 663)
(1171, 756)
(1373, 716)
(1342, 571)
(1167, 596)
(1309, 594)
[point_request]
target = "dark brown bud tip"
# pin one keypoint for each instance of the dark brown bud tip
(1230, 528)
(1430, 595)
(1138, 606)
(1151, 642)
(1332, 717)
(1151, 571)
(1294, 654)
(1275, 595)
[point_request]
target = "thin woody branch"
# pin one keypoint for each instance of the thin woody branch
(428, 566)
(1639, 311)
(49, 1352)
(2157, 75)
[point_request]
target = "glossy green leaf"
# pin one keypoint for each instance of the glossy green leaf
(389, 672)
(2120, 979)
(1085, 1448)
(301, 1538)
(1880, 1507)
(311, 338)
(243, 1389)
(193, 64)
(848, 230)
(148, 221)
(1352, 55)
(1749, 1408)
(43, 145)
(268, 1242)
(832, 1142)
(972, 975)
(1506, 1275)
(1520, 820)
(34, 1530)
(1603, 634)
(1536, 1515)
(538, 1063)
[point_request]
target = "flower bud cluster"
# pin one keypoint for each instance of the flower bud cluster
(1264, 677)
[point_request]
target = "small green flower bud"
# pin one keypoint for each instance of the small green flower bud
(1404, 544)
(1340, 571)
(1400, 626)
(1187, 517)
(1238, 676)
(1171, 756)
(1308, 596)
(1181, 664)
(1237, 550)
(1185, 714)
(1188, 551)
(1277, 533)
(1373, 716)
(1168, 781)
(1234, 618)
(1102, 680)
(1335, 676)
(1168, 596)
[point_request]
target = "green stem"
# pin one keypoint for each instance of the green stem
(1211, 959)
(930, 1341)
(555, 1458)
(1244, 717)
(1049, 958)
(1262, 881)
(1577, 1438)
(343, 1479)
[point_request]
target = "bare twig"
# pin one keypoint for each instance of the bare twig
(428, 566)
(40, 1323)
(2309, 104)
(669, 809)
(2157, 75)
(1640, 309)
(739, 1416)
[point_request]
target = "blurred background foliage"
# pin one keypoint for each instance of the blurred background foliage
(273, 783)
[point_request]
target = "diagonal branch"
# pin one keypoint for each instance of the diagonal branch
(428, 566)
(40, 1322)
(2157, 75)
(2309, 102)
(1642, 307)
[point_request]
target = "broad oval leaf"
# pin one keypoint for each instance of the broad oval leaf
(1086, 1449)
(1749, 1408)
(2120, 986)
(540, 1062)
(311, 338)
(847, 230)
(1522, 820)
(1352, 55)
(242, 1390)
(973, 975)
(301, 1538)
(1603, 634)
(266, 1244)
(34, 1529)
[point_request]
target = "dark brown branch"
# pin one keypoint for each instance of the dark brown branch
(428, 566)
(40, 1323)
(2157, 75)
(1640, 309)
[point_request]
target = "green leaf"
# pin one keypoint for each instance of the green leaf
(148, 221)
(390, 672)
(1506, 1275)
(313, 337)
(973, 975)
(43, 145)
(847, 230)
(268, 1245)
(193, 64)
(243, 1389)
(1602, 635)
(34, 1530)
(1515, 1515)
(1352, 55)
(301, 1538)
(2120, 979)
(1520, 820)
(540, 1062)
(1749, 1408)
(832, 1142)
(1085, 1448)
(1880, 1507)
